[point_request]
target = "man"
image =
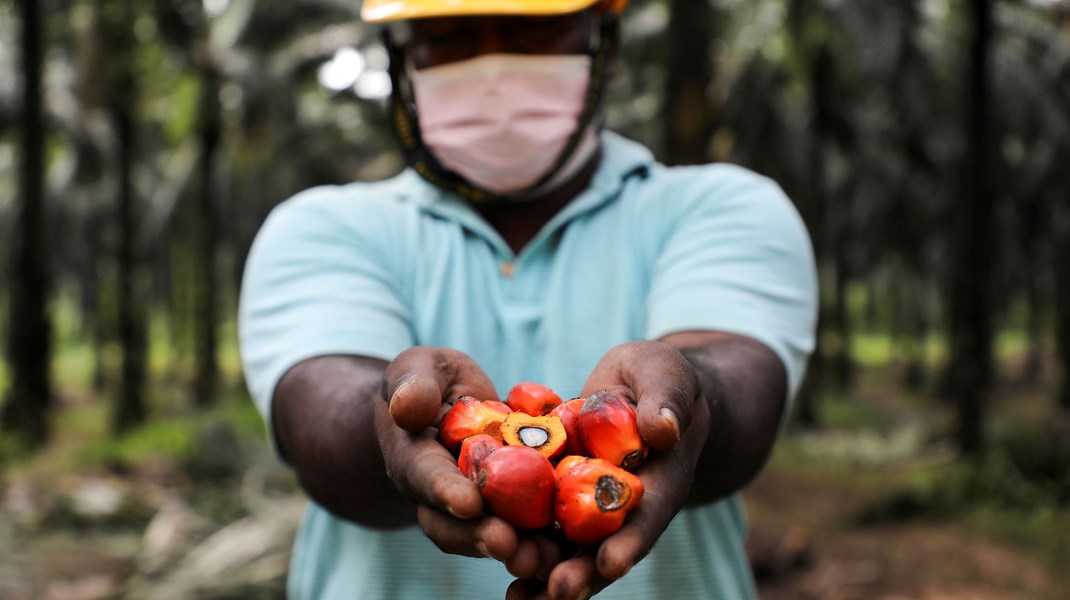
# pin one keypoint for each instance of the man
(523, 244)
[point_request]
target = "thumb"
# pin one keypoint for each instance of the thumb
(666, 390)
(415, 402)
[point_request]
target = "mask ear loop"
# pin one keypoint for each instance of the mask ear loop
(609, 30)
(406, 125)
(405, 119)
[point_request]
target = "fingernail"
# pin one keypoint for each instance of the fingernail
(482, 548)
(670, 417)
(401, 387)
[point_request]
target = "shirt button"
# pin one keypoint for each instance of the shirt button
(508, 269)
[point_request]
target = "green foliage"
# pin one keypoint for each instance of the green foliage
(177, 438)
(840, 412)
(5, 377)
(1042, 531)
(82, 442)
(995, 483)
(163, 439)
(73, 356)
(181, 108)
(996, 497)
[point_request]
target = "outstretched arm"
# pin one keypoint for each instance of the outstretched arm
(324, 417)
(745, 385)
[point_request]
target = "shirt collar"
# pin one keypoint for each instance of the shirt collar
(621, 159)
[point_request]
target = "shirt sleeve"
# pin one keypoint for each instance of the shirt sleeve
(315, 285)
(739, 261)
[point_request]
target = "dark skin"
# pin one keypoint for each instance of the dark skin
(361, 432)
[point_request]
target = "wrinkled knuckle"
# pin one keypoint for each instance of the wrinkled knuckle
(440, 487)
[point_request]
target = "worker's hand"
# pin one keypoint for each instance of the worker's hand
(674, 419)
(417, 386)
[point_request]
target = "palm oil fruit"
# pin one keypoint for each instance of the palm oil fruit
(534, 399)
(593, 498)
(544, 434)
(473, 450)
(469, 417)
(610, 430)
(569, 413)
(518, 484)
(565, 464)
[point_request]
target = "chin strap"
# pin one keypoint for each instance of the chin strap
(405, 121)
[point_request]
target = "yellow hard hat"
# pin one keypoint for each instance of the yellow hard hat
(381, 11)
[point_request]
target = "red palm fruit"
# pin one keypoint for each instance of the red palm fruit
(469, 417)
(569, 413)
(609, 430)
(593, 498)
(518, 485)
(473, 450)
(532, 398)
(545, 434)
(567, 463)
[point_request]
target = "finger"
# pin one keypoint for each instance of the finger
(424, 471)
(550, 554)
(663, 383)
(666, 483)
(536, 557)
(490, 537)
(524, 564)
(616, 557)
(526, 589)
(496, 538)
(414, 404)
(575, 579)
(434, 480)
(419, 379)
(666, 389)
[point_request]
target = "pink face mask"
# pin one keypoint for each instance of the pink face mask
(501, 120)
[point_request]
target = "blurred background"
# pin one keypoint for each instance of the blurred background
(925, 142)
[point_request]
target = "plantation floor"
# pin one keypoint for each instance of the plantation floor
(820, 552)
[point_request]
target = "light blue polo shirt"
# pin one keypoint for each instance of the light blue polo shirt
(372, 269)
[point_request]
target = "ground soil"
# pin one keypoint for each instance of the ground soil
(809, 545)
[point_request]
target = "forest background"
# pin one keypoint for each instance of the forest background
(926, 144)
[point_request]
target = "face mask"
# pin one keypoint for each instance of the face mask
(501, 121)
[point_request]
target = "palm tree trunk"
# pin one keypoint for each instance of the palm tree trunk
(29, 399)
(690, 114)
(971, 305)
(1062, 300)
(130, 410)
(205, 309)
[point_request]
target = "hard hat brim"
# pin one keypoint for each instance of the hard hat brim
(383, 11)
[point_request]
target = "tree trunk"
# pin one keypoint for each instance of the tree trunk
(30, 331)
(1032, 226)
(832, 235)
(92, 298)
(132, 322)
(812, 203)
(1062, 300)
(917, 330)
(205, 309)
(122, 106)
(971, 304)
(691, 116)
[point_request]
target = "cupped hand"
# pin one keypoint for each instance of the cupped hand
(419, 386)
(674, 419)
